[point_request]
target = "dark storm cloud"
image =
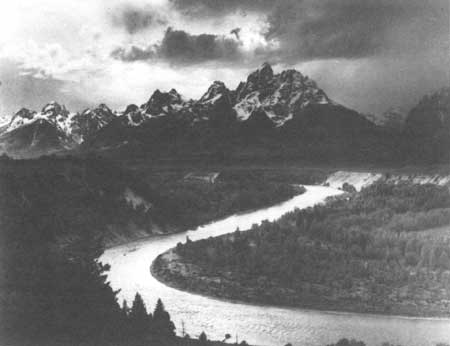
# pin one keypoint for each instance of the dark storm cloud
(180, 47)
(311, 29)
(349, 28)
(220, 7)
(134, 19)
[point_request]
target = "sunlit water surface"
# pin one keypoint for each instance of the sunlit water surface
(258, 325)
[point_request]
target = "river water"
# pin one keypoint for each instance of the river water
(258, 325)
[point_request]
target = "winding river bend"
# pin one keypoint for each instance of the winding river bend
(258, 325)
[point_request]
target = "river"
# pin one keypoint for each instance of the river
(258, 325)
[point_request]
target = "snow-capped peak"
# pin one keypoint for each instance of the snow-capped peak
(134, 115)
(54, 109)
(52, 113)
(23, 117)
(280, 96)
(162, 103)
(214, 93)
(73, 127)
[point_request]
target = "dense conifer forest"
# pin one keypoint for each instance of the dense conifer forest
(380, 250)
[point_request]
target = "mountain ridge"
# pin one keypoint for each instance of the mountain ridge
(283, 114)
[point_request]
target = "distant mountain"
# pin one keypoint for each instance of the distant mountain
(268, 114)
(392, 119)
(53, 129)
(431, 116)
(31, 134)
(284, 115)
(427, 127)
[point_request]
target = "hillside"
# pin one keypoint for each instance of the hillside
(427, 127)
(121, 204)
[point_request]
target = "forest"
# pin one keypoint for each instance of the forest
(194, 202)
(55, 216)
(93, 190)
(58, 295)
(380, 250)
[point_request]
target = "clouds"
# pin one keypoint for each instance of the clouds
(180, 47)
(296, 30)
(310, 29)
(134, 19)
(351, 29)
(30, 90)
(134, 53)
(198, 8)
(329, 29)
(370, 54)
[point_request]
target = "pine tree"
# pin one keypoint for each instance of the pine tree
(162, 325)
(139, 319)
(125, 309)
(203, 338)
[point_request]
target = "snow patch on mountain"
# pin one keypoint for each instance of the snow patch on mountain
(71, 127)
(280, 96)
(246, 107)
(214, 93)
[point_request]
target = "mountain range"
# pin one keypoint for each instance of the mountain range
(284, 115)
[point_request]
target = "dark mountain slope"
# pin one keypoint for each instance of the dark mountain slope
(37, 138)
(427, 128)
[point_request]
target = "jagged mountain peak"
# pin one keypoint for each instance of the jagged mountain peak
(89, 122)
(69, 128)
(131, 108)
(54, 109)
(133, 115)
(265, 71)
(103, 107)
(280, 96)
(260, 79)
(24, 113)
(162, 103)
(216, 90)
(22, 117)
(174, 93)
(171, 96)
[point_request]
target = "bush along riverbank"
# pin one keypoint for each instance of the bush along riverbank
(383, 250)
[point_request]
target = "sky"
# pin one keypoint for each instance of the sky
(370, 55)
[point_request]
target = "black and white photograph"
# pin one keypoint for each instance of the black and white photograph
(224, 172)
